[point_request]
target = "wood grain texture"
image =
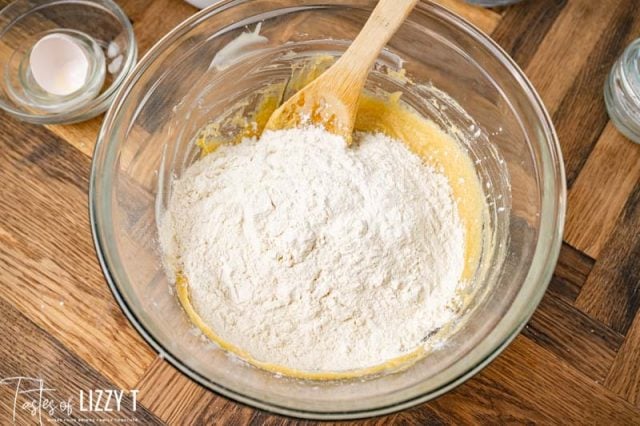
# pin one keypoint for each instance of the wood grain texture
(612, 291)
(488, 398)
(171, 395)
(569, 334)
(575, 363)
(601, 191)
(81, 135)
(524, 26)
(624, 375)
(485, 19)
(37, 355)
(560, 57)
(178, 400)
(48, 267)
(154, 21)
(570, 274)
(528, 384)
(580, 116)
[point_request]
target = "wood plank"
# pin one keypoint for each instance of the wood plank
(134, 9)
(624, 377)
(154, 22)
(225, 412)
(570, 274)
(569, 334)
(565, 330)
(82, 136)
(48, 267)
(581, 115)
(601, 190)
(177, 400)
(421, 415)
(528, 384)
(481, 400)
(523, 27)
(483, 18)
(612, 291)
(564, 74)
(37, 355)
(170, 395)
(560, 58)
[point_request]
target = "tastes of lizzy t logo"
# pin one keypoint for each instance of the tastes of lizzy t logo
(30, 397)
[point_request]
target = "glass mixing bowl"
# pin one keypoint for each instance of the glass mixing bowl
(456, 76)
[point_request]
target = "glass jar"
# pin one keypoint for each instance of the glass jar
(622, 92)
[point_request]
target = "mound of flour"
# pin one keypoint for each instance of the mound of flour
(313, 255)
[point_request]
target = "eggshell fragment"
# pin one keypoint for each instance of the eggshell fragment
(58, 64)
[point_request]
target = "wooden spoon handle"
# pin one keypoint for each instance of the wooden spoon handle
(332, 99)
(384, 21)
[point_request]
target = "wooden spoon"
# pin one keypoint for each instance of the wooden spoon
(331, 100)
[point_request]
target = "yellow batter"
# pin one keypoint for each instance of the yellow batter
(423, 137)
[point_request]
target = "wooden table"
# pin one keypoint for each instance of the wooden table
(576, 362)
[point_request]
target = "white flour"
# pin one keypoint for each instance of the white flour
(316, 256)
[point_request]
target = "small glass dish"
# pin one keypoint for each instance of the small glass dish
(99, 27)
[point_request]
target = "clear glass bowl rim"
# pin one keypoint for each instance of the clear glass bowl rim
(552, 216)
(103, 101)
